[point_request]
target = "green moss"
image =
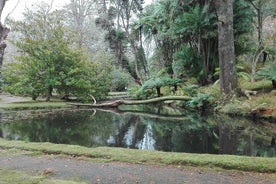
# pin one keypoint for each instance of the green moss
(258, 85)
(107, 154)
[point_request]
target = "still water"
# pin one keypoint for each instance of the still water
(176, 132)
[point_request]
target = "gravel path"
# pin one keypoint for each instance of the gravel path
(123, 173)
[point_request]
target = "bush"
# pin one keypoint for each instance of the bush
(120, 80)
(191, 90)
(200, 102)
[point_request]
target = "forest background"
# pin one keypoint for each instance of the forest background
(166, 47)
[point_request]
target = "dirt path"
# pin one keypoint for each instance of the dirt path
(7, 99)
(119, 173)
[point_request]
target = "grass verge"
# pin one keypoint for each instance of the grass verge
(106, 154)
(34, 105)
(10, 176)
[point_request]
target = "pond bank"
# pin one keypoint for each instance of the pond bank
(10, 102)
(247, 108)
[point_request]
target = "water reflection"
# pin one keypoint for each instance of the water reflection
(178, 133)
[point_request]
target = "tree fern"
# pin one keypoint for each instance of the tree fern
(268, 72)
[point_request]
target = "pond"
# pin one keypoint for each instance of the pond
(151, 129)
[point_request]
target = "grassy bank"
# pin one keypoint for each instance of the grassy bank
(34, 105)
(106, 154)
(260, 102)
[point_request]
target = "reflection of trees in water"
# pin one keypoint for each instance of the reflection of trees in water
(228, 139)
(192, 133)
(127, 133)
(65, 127)
(241, 136)
(136, 132)
(148, 141)
(131, 133)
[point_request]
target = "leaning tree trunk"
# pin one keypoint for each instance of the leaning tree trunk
(3, 35)
(4, 31)
(116, 103)
(228, 78)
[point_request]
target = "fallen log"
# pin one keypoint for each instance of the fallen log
(116, 103)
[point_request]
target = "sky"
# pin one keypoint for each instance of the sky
(17, 13)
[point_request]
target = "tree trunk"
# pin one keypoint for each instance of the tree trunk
(135, 52)
(49, 94)
(158, 90)
(228, 78)
(4, 31)
(133, 102)
(274, 84)
(260, 22)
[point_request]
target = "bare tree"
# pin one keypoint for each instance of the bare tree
(4, 31)
(79, 12)
(227, 62)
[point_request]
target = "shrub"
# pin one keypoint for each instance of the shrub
(120, 80)
(191, 90)
(200, 102)
(269, 72)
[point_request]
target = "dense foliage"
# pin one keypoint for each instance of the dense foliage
(185, 35)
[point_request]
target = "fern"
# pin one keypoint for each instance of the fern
(268, 72)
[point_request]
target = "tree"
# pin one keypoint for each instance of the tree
(4, 31)
(79, 12)
(50, 60)
(226, 49)
(198, 27)
(116, 19)
(263, 9)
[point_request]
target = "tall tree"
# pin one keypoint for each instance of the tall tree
(51, 60)
(116, 17)
(4, 31)
(79, 12)
(226, 49)
(263, 9)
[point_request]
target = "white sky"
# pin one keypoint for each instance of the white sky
(17, 13)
